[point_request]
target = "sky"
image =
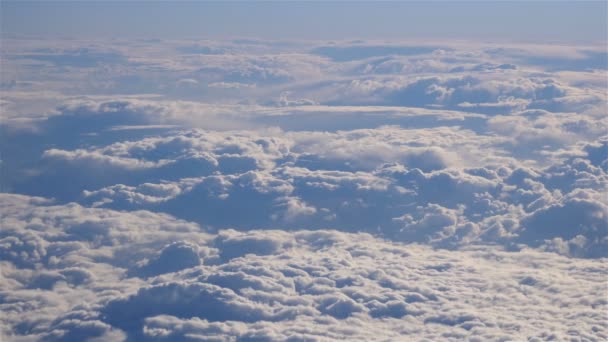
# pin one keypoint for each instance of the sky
(573, 22)
(303, 171)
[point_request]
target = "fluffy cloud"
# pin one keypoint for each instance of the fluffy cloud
(140, 279)
(253, 190)
(423, 185)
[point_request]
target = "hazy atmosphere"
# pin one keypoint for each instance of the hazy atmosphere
(303, 171)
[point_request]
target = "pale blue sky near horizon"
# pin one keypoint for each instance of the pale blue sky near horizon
(510, 21)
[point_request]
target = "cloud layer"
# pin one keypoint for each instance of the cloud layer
(149, 276)
(256, 190)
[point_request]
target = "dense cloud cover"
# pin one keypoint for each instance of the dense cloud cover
(258, 190)
(71, 272)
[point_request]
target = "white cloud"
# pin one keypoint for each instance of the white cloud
(253, 190)
(153, 277)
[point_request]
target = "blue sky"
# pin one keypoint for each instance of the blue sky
(576, 21)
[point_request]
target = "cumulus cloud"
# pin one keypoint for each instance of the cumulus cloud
(404, 184)
(134, 275)
(255, 190)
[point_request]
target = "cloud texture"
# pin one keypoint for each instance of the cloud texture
(254, 190)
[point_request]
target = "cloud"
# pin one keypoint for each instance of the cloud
(79, 58)
(133, 275)
(503, 92)
(172, 258)
(254, 190)
(355, 52)
(578, 219)
(343, 180)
